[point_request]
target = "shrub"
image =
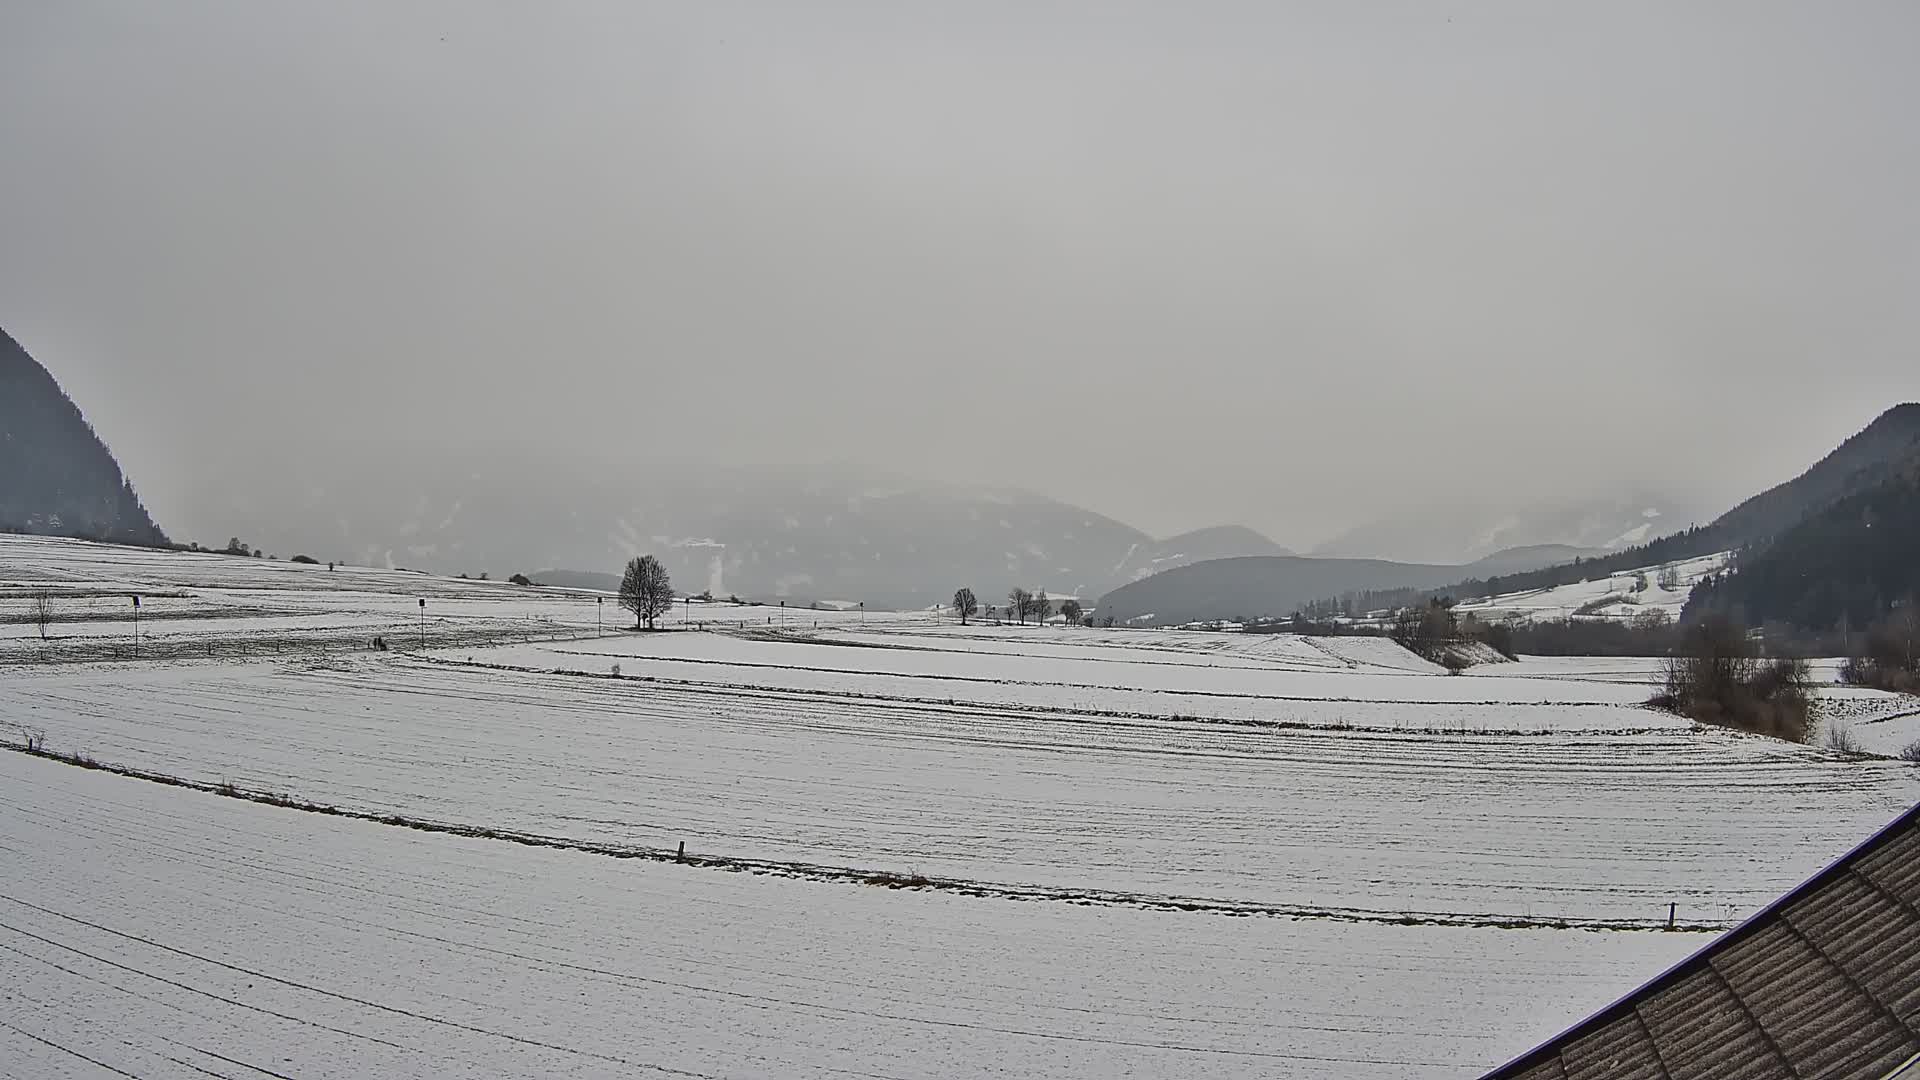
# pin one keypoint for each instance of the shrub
(1888, 657)
(1911, 752)
(520, 579)
(1454, 662)
(307, 559)
(1715, 678)
(1841, 739)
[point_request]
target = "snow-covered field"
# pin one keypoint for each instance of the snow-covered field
(168, 933)
(1156, 852)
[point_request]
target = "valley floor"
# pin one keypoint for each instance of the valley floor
(915, 849)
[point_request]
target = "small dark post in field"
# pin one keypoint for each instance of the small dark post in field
(423, 622)
(1671, 909)
(682, 856)
(136, 627)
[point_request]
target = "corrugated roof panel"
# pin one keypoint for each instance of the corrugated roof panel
(1895, 866)
(1549, 1069)
(1824, 984)
(1704, 1034)
(1621, 1051)
(1805, 1003)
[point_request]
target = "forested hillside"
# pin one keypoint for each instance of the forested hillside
(56, 476)
(1845, 565)
(1863, 463)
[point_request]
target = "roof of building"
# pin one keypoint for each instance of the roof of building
(1823, 983)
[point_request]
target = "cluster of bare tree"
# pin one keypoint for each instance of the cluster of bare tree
(1022, 605)
(1887, 656)
(1716, 676)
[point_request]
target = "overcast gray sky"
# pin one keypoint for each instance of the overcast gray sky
(1285, 264)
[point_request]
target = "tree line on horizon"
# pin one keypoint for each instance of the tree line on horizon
(1022, 604)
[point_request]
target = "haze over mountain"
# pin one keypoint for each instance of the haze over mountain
(1835, 539)
(1292, 267)
(802, 532)
(1468, 529)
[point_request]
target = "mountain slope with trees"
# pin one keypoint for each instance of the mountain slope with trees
(1863, 462)
(1845, 565)
(1807, 541)
(1268, 586)
(56, 477)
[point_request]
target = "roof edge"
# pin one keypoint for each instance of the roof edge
(1747, 927)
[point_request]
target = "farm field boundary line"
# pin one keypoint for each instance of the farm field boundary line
(811, 637)
(280, 644)
(876, 878)
(1079, 712)
(1029, 682)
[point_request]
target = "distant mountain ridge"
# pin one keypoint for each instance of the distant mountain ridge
(1847, 560)
(1865, 460)
(795, 532)
(56, 477)
(1198, 545)
(1469, 530)
(1824, 511)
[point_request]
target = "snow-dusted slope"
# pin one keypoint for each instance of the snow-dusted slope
(1606, 596)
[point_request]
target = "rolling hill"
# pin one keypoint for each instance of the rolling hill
(1261, 586)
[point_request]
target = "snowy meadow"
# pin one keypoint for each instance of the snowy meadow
(521, 840)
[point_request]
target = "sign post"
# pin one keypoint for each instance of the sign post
(136, 626)
(599, 605)
(423, 622)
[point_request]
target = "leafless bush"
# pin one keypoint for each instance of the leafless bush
(42, 612)
(1716, 678)
(1840, 737)
(1912, 752)
(1888, 657)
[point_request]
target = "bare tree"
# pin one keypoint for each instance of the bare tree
(646, 590)
(42, 612)
(1071, 611)
(1019, 603)
(965, 604)
(1042, 607)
